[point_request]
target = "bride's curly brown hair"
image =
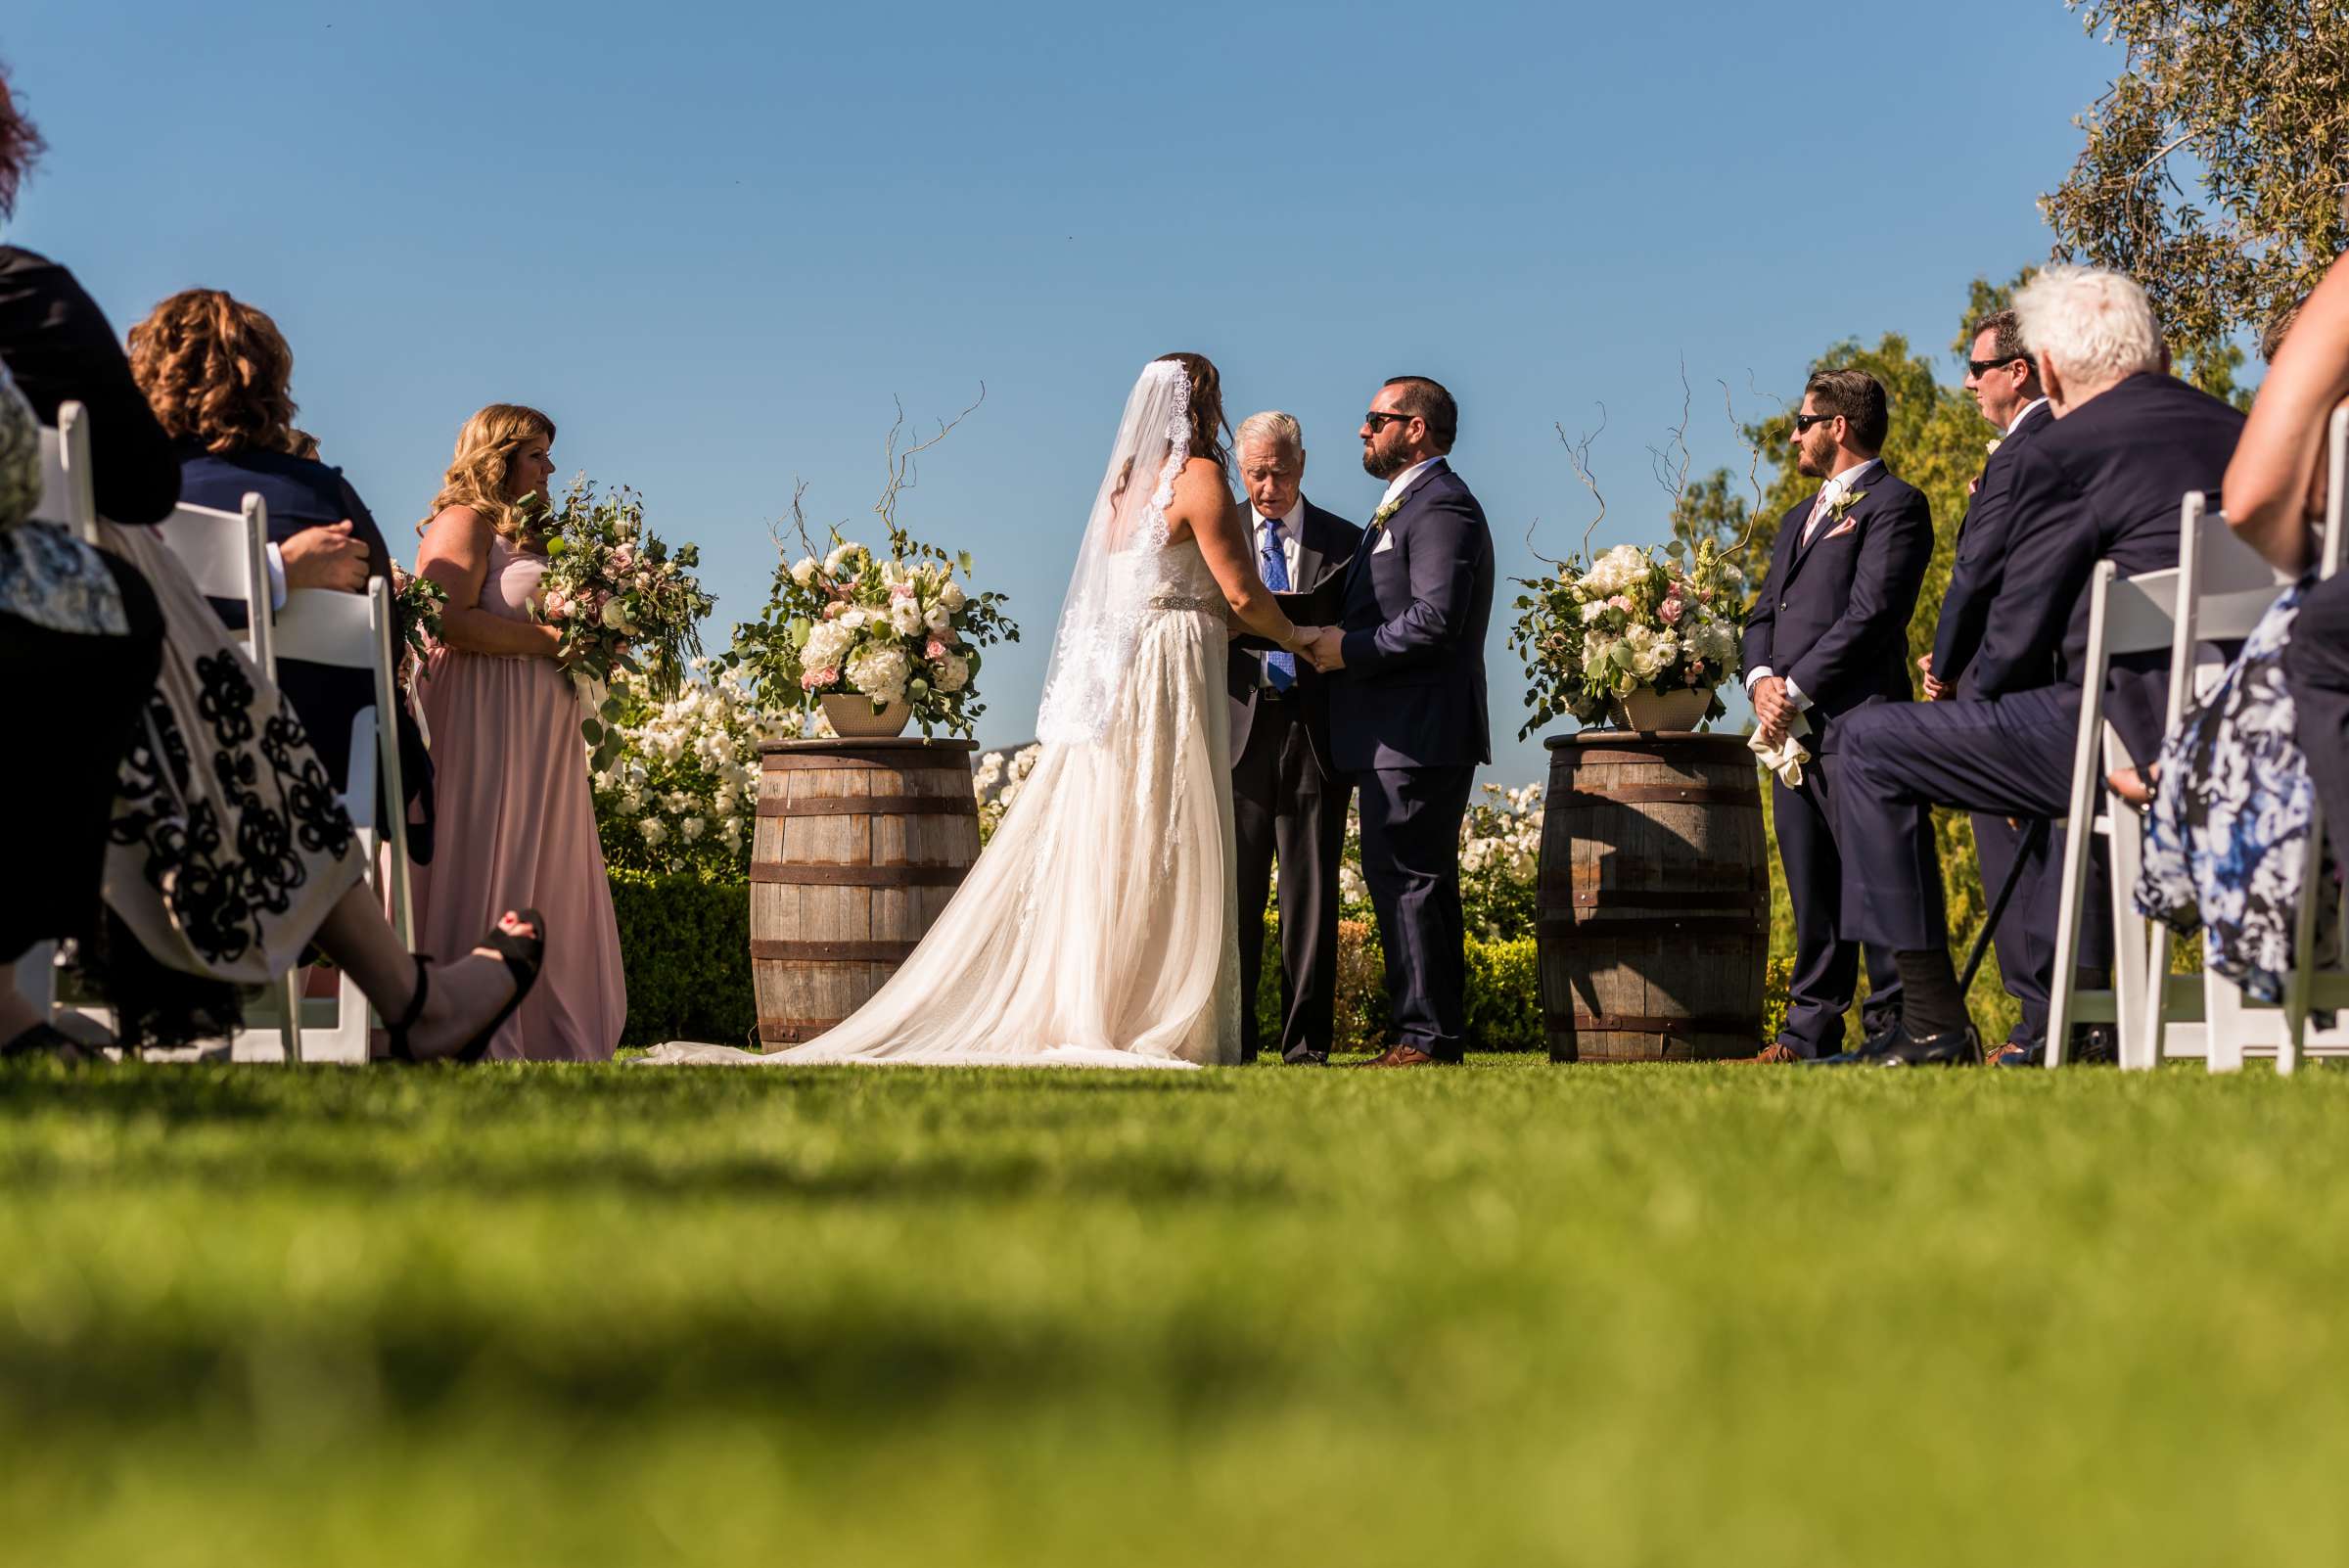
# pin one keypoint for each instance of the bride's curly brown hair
(1207, 424)
(19, 147)
(217, 370)
(476, 475)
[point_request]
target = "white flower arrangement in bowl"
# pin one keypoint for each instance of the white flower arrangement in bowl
(1643, 636)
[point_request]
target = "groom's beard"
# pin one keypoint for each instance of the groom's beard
(1382, 465)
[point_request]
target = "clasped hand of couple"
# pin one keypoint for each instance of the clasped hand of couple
(1322, 646)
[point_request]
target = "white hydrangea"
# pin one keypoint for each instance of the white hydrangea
(880, 671)
(827, 645)
(953, 672)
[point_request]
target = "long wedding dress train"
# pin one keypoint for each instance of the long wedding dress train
(1099, 927)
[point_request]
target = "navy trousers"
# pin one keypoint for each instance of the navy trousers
(2009, 756)
(2316, 671)
(2026, 950)
(1827, 964)
(1412, 821)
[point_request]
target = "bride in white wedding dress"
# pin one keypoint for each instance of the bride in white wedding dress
(1099, 927)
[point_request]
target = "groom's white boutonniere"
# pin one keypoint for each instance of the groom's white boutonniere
(1378, 519)
(1991, 445)
(1839, 513)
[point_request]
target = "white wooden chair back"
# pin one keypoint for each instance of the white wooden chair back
(227, 556)
(349, 632)
(2126, 616)
(66, 496)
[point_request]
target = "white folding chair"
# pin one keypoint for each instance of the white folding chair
(2238, 1025)
(227, 556)
(2223, 588)
(2126, 616)
(351, 633)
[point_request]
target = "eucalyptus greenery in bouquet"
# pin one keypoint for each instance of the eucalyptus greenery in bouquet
(1590, 635)
(622, 598)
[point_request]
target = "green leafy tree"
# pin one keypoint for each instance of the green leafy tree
(2213, 163)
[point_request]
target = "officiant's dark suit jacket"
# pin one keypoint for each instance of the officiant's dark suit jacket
(1980, 568)
(1416, 613)
(1833, 618)
(1833, 615)
(1324, 539)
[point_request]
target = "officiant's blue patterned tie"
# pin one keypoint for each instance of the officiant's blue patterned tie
(1280, 669)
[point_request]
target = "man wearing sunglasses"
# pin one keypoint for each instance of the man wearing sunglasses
(1828, 635)
(1407, 716)
(2004, 381)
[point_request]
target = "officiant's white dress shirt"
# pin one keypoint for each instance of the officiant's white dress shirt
(1833, 491)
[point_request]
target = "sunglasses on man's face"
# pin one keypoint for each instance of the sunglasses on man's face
(1803, 422)
(1378, 421)
(1978, 368)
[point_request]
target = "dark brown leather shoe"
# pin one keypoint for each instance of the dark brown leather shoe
(1404, 1056)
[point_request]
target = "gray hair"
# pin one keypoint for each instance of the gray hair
(1273, 426)
(2097, 325)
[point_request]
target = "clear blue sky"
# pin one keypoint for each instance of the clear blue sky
(713, 240)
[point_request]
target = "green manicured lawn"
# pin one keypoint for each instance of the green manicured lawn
(1508, 1313)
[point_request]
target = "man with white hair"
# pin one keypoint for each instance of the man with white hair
(2102, 483)
(1289, 797)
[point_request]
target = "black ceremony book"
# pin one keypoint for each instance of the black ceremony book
(1321, 605)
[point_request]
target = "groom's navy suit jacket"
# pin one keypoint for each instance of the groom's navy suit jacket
(1983, 540)
(1323, 538)
(1833, 615)
(1418, 600)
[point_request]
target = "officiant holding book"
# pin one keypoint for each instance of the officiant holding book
(1289, 797)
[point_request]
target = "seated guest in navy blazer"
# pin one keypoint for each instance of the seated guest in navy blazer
(2102, 483)
(2004, 381)
(217, 373)
(1829, 637)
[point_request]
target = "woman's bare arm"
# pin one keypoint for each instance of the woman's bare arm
(1203, 507)
(455, 554)
(2276, 461)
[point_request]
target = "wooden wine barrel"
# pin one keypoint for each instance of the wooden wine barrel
(858, 846)
(1652, 913)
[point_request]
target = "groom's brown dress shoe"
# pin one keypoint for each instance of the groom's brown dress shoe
(1404, 1056)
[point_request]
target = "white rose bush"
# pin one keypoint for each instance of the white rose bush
(1634, 618)
(680, 793)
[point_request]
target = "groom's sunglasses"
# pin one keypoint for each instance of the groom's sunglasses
(1378, 421)
(1803, 422)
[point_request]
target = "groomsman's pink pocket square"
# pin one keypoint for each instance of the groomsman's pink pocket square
(1842, 528)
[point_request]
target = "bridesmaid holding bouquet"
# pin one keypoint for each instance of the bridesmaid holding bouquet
(516, 813)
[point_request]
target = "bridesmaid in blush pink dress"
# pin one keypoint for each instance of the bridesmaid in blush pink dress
(514, 815)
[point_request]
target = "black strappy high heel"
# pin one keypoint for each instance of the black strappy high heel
(523, 957)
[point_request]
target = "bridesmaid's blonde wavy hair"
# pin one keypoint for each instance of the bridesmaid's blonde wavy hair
(476, 475)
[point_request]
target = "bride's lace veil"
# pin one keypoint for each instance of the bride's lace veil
(1101, 619)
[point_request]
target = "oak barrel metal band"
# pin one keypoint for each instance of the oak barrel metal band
(1697, 751)
(792, 1030)
(894, 762)
(1646, 794)
(1648, 1024)
(835, 953)
(860, 876)
(962, 805)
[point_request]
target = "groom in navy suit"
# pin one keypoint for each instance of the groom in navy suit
(1828, 636)
(1407, 722)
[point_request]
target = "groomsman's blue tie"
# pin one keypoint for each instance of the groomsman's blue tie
(1280, 669)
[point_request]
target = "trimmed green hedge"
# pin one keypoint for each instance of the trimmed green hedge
(686, 944)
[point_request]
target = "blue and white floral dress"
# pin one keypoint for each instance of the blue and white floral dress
(2227, 845)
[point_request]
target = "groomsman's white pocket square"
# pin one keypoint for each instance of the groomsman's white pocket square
(1386, 542)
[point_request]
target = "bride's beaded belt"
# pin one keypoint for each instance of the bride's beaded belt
(1170, 601)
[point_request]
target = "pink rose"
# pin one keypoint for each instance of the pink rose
(902, 591)
(1669, 610)
(623, 558)
(1622, 603)
(556, 606)
(832, 610)
(935, 649)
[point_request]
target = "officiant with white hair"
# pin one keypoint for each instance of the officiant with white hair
(1289, 797)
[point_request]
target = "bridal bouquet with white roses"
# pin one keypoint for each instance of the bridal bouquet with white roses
(621, 597)
(896, 628)
(1633, 619)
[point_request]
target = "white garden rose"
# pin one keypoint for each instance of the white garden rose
(839, 554)
(692, 828)
(880, 672)
(939, 618)
(907, 617)
(616, 616)
(950, 595)
(655, 831)
(953, 672)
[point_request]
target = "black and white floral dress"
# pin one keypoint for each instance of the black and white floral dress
(2228, 845)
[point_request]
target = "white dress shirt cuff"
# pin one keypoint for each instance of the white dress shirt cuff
(277, 579)
(1759, 673)
(1794, 695)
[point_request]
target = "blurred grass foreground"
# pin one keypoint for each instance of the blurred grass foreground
(1512, 1312)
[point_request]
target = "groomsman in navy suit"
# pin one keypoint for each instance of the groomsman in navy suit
(1407, 722)
(1289, 797)
(1829, 637)
(2004, 381)
(2102, 483)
